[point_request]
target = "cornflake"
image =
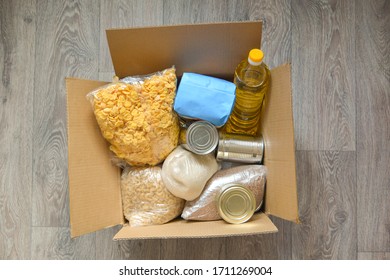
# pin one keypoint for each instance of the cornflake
(137, 118)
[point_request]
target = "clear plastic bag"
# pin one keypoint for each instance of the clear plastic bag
(205, 207)
(136, 117)
(145, 199)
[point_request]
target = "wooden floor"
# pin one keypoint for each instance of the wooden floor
(340, 54)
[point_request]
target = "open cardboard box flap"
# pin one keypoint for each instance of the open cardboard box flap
(94, 183)
(212, 49)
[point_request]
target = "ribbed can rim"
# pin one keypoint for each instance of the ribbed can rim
(202, 137)
(236, 203)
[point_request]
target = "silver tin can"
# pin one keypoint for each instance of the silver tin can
(201, 137)
(186, 121)
(235, 203)
(240, 148)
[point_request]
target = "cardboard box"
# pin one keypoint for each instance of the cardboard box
(211, 49)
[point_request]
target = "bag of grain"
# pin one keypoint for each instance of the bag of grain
(205, 207)
(146, 200)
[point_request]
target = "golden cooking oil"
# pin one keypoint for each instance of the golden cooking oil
(252, 78)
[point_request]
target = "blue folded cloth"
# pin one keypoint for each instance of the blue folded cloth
(204, 97)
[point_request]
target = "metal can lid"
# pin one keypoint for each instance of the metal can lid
(202, 137)
(236, 204)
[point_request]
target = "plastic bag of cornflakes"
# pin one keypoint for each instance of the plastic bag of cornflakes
(136, 117)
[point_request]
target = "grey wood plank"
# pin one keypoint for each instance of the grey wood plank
(273, 246)
(54, 243)
(194, 249)
(108, 249)
(17, 36)
(327, 201)
(373, 124)
(275, 15)
(374, 255)
(323, 63)
(123, 14)
(106, 76)
(195, 11)
(276, 44)
(324, 39)
(66, 45)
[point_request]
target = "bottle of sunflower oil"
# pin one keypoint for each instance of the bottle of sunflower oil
(252, 78)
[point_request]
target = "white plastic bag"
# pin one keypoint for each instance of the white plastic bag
(185, 173)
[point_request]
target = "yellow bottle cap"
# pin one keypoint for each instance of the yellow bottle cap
(255, 56)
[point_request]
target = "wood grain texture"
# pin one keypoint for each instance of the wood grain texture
(124, 14)
(327, 200)
(373, 124)
(195, 11)
(193, 249)
(340, 59)
(374, 256)
(276, 17)
(106, 76)
(274, 246)
(17, 48)
(107, 249)
(54, 243)
(66, 45)
(323, 74)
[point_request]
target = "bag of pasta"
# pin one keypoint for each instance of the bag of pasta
(145, 199)
(136, 117)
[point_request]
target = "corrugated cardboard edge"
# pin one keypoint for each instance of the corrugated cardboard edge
(277, 117)
(94, 189)
(185, 24)
(251, 42)
(133, 50)
(259, 224)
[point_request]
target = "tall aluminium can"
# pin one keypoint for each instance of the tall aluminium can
(240, 148)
